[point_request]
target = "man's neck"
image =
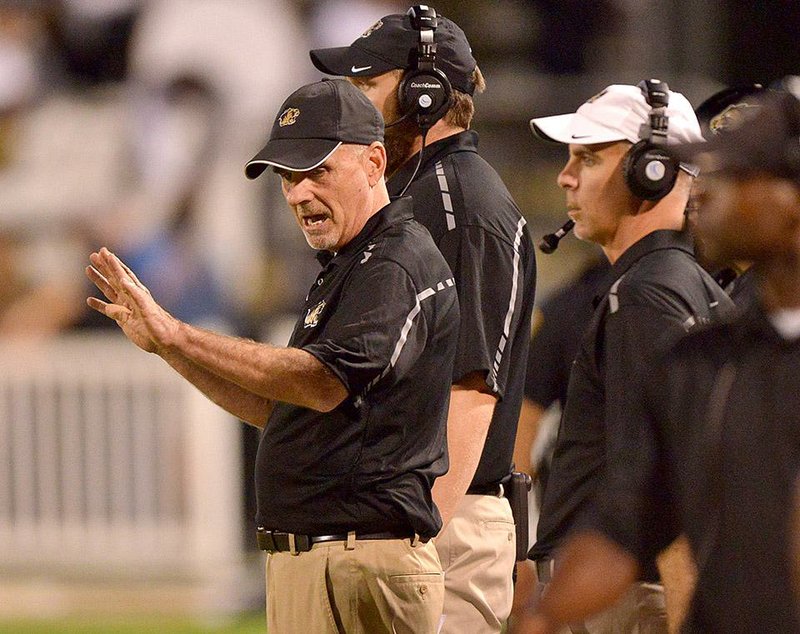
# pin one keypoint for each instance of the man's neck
(665, 214)
(380, 198)
(440, 130)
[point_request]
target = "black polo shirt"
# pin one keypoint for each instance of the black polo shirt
(484, 238)
(562, 320)
(713, 450)
(657, 292)
(383, 316)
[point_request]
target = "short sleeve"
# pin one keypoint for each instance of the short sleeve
(489, 276)
(379, 325)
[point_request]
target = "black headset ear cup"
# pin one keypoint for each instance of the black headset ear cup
(425, 95)
(650, 171)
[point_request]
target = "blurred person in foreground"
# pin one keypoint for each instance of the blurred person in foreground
(625, 191)
(718, 113)
(713, 445)
(353, 411)
(418, 70)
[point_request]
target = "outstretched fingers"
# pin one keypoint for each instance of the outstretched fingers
(117, 312)
(126, 281)
(115, 282)
(129, 302)
(102, 264)
(100, 281)
(131, 274)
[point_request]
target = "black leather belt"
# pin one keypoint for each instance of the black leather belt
(279, 541)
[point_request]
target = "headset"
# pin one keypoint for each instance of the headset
(424, 92)
(649, 168)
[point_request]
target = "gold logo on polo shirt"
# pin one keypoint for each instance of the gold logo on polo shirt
(372, 29)
(312, 316)
(288, 117)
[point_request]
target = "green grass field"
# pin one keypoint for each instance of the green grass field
(246, 624)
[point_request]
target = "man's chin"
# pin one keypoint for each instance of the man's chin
(320, 243)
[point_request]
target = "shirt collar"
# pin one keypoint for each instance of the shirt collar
(466, 141)
(399, 210)
(655, 241)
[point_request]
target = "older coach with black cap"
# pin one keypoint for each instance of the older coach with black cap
(714, 431)
(418, 70)
(353, 410)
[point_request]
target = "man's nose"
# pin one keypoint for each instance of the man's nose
(296, 190)
(567, 179)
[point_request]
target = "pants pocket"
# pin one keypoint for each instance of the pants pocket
(415, 602)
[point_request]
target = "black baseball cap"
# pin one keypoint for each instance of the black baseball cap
(389, 44)
(313, 122)
(719, 110)
(764, 139)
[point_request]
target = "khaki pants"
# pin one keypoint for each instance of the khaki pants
(478, 551)
(370, 586)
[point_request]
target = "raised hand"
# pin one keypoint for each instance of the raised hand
(130, 304)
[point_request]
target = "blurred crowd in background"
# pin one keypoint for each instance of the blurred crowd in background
(127, 123)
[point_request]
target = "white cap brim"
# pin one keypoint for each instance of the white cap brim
(574, 128)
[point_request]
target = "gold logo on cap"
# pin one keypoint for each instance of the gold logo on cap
(730, 118)
(372, 29)
(288, 117)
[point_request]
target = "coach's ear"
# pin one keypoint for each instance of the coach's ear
(375, 156)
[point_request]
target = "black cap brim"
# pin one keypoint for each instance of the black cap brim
(348, 61)
(293, 155)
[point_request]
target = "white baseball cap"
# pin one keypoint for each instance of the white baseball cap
(619, 113)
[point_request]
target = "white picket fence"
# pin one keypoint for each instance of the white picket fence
(111, 464)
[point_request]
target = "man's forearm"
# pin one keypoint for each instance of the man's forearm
(241, 403)
(273, 374)
(592, 573)
(283, 374)
(468, 419)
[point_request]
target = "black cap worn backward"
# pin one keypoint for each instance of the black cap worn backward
(765, 139)
(313, 122)
(390, 44)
